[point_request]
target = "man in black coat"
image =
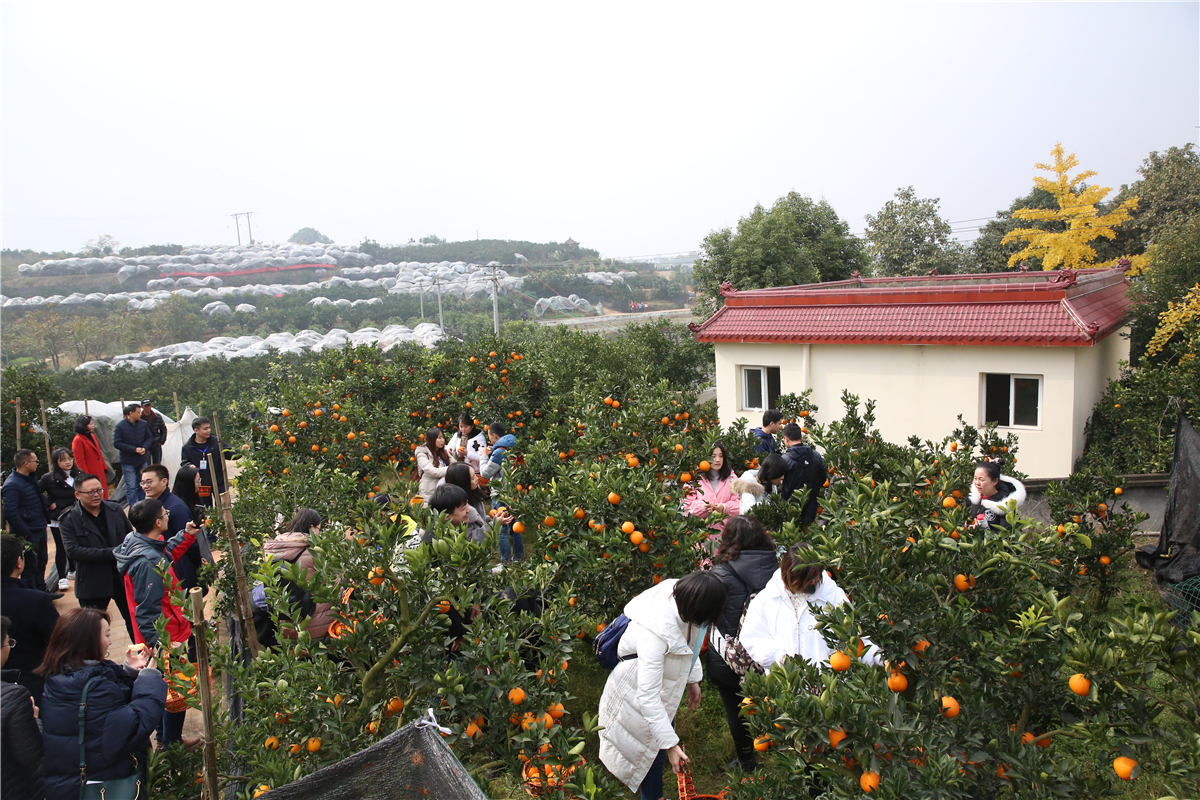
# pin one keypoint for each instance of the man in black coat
(204, 452)
(806, 470)
(26, 514)
(131, 436)
(32, 613)
(21, 747)
(90, 531)
(158, 430)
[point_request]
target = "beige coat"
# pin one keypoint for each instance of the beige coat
(642, 694)
(293, 546)
(431, 476)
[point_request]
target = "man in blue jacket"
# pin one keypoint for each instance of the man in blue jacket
(492, 469)
(772, 424)
(26, 516)
(132, 436)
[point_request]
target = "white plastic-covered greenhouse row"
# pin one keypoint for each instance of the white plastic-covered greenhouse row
(215, 259)
(459, 279)
(426, 333)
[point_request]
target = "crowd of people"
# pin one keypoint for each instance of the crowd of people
(59, 688)
(754, 603)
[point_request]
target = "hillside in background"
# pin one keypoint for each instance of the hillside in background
(480, 251)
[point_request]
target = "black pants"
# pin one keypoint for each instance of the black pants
(728, 684)
(62, 563)
(35, 562)
(118, 595)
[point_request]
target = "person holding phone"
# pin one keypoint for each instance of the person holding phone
(142, 558)
(467, 445)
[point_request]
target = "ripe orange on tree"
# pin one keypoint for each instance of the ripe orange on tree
(963, 582)
(394, 706)
(549, 522)
(704, 466)
(313, 745)
(272, 743)
(839, 661)
(1080, 684)
(869, 781)
(897, 682)
(518, 527)
(375, 576)
(614, 498)
(1124, 766)
(836, 735)
(516, 696)
(950, 707)
(762, 743)
(636, 537)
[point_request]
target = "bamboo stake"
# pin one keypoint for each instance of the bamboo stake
(46, 433)
(206, 708)
(176, 396)
(18, 423)
(235, 550)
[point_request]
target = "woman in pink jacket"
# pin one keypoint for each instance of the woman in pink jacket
(712, 494)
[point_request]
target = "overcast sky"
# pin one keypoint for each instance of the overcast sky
(635, 128)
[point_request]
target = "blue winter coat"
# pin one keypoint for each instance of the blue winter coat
(493, 469)
(766, 443)
(123, 708)
(23, 508)
(128, 437)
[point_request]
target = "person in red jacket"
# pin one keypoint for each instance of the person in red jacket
(86, 448)
(142, 558)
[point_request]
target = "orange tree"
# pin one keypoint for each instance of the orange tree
(607, 445)
(975, 627)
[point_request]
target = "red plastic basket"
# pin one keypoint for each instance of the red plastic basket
(688, 792)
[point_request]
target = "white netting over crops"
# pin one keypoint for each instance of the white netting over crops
(573, 303)
(427, 334)
(459, 279)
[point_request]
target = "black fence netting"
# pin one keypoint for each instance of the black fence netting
(413, 763)
(1176, 558)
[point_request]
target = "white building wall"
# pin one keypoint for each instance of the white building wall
(921, 389)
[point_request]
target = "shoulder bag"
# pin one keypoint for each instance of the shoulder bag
(117, 789)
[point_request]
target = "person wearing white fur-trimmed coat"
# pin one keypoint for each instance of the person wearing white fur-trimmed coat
(993, 495)
(659, 654)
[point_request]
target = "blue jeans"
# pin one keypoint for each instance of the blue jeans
(652, 784)
(133, 491)
(170, 729)
(518, 540)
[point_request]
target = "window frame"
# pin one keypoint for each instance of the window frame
(1012, 399)
(764, 372)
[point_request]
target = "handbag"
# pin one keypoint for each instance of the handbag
(730, 647)
(116, 789)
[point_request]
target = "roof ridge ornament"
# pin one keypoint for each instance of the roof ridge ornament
(727, 289)
(932, 272)
(856, 275)
(1066, 276)
(695, 327)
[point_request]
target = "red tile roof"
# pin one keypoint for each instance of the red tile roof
(1063, 308)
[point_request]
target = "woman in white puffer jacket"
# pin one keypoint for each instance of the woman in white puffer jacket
(659, 657)
(780, 620)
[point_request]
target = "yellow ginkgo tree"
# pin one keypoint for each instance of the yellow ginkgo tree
(1077, 210)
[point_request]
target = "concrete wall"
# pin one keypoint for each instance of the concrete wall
(921, 389)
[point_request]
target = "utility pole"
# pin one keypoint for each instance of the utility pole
(441, 324)
(495, 305)
(245, 214)
(422, 302)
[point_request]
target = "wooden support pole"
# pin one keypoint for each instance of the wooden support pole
(224, 509)
(176, 396)
(200, 631)
(18, 423)
(46, 433)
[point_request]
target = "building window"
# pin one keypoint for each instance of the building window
(1012, 401)
(760, 388)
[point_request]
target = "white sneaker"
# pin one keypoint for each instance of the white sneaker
(63, 585)
(496, 570)
(71, 574)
